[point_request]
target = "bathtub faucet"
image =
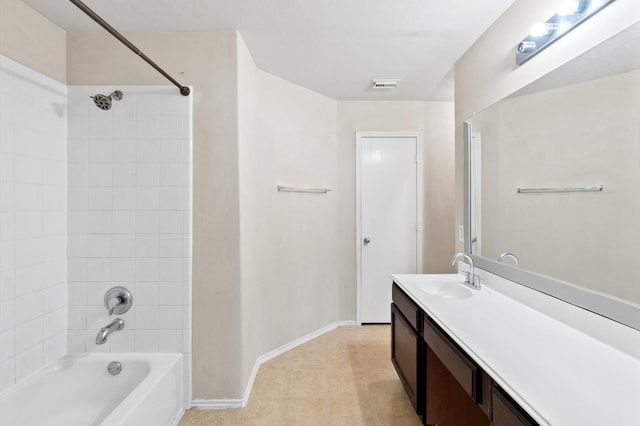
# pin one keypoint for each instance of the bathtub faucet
(115, 325)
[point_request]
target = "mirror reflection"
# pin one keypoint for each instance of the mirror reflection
(577, 127)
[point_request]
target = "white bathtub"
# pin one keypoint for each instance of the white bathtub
(78, 390)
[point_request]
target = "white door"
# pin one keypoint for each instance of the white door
(475, 165)
(389, 219)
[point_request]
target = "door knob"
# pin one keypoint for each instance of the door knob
(366, 240)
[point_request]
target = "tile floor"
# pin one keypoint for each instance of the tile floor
(341, 378)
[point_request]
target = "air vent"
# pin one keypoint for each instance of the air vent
(384, 84)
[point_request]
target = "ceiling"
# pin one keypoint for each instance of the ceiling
(334, 47)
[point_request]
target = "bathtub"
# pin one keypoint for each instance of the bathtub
(78, 390)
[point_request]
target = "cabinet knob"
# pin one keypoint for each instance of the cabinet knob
(366, 240)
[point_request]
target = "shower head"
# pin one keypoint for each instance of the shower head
(104, 102)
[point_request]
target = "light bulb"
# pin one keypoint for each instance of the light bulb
(563, 27)
(540, 29)
(570, 7)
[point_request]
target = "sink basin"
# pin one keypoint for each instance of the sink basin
(444, 289)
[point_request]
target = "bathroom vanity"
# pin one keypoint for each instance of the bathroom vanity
(508, 355)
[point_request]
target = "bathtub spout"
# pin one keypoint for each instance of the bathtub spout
(115, 325)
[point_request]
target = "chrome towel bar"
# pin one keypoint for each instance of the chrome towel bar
(308, 190)
(594, 188)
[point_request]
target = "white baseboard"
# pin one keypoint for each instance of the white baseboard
(218, 404)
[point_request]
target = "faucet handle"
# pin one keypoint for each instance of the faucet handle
(119, 300)
(123, 300)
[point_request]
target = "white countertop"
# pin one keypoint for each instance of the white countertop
(560, 374)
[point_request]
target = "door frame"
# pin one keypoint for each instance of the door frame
(419, 205)
(475, 198)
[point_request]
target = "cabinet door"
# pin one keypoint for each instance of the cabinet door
(453, 382)
(405, 347)
(506, 412)
(446, 401)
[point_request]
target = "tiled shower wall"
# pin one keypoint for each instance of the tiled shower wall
(33, 222)
(129, 218)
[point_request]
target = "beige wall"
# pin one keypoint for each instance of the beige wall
(269, 267)
(290, 274)
(207, 62)
(582, 134)
(27, 37)
(487, 72)
(434, 121)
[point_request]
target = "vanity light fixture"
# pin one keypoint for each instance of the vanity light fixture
(570, 13)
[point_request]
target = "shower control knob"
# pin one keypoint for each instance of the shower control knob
(366, 240)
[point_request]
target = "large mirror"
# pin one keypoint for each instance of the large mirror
(555, 172)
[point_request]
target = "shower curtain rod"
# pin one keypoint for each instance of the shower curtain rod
(184, 90)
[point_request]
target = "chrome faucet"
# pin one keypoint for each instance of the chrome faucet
(503, 256)
(470, 277)
(115, 325)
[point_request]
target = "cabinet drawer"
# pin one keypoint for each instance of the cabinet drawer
(461, 367)
(405, 350)
(406, 306)
(506, 412)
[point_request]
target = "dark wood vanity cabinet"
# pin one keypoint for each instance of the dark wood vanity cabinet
(506, 412)
(453, 383)
(445, 386)
(406, 346)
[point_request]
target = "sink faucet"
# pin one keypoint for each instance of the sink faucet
(503, 256)
(470, 277)
(115, 325)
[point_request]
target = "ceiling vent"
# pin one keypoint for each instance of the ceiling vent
(384, 84)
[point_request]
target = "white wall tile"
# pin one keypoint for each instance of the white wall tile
(171, 222)
(147, 150)
(98, 269)
(100, 198)
(76, 341)
(124, 149)
(99, 245)
(99, 222)
(147, 198)
(100, 150)
(124, 174)
(147, 222)
(147, 269)
(147, 245)
(170, 317)
(148, 174)
(146, 341)
(29, 279)
(7, 373)
(77, 294)
(29, 361)
(124, 198)
(54, 348)
(147, 294)
(147, 318)
(122, 341)
(28, 307)
(134, 156)
(123, 245)
(170, 340)
(77, 318)
(55, 322)
(7, 285)
(100, 174)
(28, 334)
(123, 269)
(7, 344)
(78, 221)
(172, 198)
(54, 297)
